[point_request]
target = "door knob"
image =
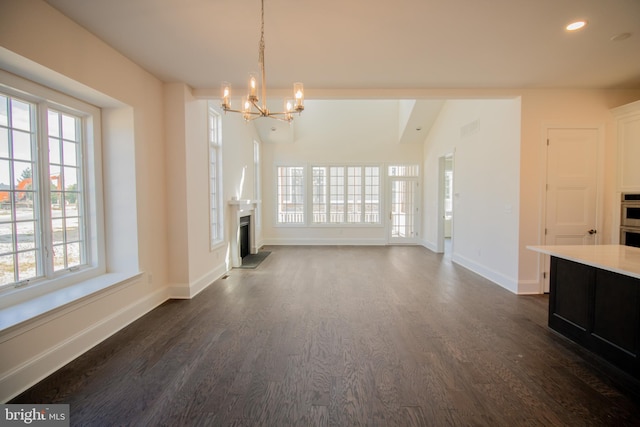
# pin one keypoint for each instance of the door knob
(592, 231)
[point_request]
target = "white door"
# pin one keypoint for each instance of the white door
(403, 210)
(571, 195)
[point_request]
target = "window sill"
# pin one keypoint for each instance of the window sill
(51, 302)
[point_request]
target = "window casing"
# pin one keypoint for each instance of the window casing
(215, 181)
(47, 217)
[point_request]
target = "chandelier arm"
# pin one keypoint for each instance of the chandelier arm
(252, 113)
(263, 110)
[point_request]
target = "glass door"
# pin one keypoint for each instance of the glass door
(403, 210)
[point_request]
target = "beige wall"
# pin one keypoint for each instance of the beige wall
(155, 155)
(544, 108)
(73, 60)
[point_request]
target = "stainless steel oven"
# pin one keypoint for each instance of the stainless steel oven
(630, 219)
(630, 236)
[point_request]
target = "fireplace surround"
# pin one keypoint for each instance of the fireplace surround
(241, 209)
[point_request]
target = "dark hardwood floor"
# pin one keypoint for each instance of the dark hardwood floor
(341, 336)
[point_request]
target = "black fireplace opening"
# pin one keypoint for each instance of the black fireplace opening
(245, 223)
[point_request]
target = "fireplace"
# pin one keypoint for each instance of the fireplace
(242, 240)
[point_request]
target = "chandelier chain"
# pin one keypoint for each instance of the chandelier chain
(261, 46)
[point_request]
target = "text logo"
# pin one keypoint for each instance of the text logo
(34, 415)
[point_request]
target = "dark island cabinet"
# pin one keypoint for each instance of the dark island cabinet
(597, 309)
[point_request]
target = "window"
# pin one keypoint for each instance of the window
(215, 171)
(45, 216)
(404, 170)
(346, 194)
(448, 194)
(257, 185)
(319, 194)
(290, 188)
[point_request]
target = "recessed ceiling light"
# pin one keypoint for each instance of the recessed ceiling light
(576, 25)
(621, 36)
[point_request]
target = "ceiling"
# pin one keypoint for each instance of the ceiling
(373, 44)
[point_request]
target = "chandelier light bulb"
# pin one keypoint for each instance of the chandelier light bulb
(253, 87)
(298, 92)
(226, 93)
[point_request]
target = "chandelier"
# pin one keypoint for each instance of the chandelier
(251, 107)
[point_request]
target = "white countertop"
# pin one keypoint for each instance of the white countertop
(617, 258)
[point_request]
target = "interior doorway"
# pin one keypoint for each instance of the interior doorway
(445, 205)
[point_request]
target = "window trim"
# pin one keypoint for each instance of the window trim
(30, 91)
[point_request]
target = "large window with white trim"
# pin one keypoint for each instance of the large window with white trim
(290, 195)
(346, 194)
(46, 221)
(215, 181)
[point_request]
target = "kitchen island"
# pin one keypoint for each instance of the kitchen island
(594, 299)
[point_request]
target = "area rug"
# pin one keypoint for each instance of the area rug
(254, 260)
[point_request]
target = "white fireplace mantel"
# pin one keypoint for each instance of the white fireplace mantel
(241, 208)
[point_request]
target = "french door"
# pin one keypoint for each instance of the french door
(403, 210)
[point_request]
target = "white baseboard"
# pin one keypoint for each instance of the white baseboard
(188, 291)
(429, 245)
(529, 287)
(42, 365)
(508, 283)
(347, 241)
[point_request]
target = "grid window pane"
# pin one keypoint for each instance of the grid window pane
(4, 111)
(27, 266)
(290, 188)
(404, 170)
(350, 194)
(336, 194)
(26, 235)
(372, 195)
(65, 179)
(59, 260)
(21, 115)
(7, 268)
(354, 194)
(4, 143)
(319, 194)
(19, 222)
(22, 145)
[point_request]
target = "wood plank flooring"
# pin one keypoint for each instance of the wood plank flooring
(341, 336)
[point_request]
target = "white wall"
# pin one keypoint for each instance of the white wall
(337, 132)
(484, 136)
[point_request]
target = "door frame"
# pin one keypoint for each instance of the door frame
(543, 260)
